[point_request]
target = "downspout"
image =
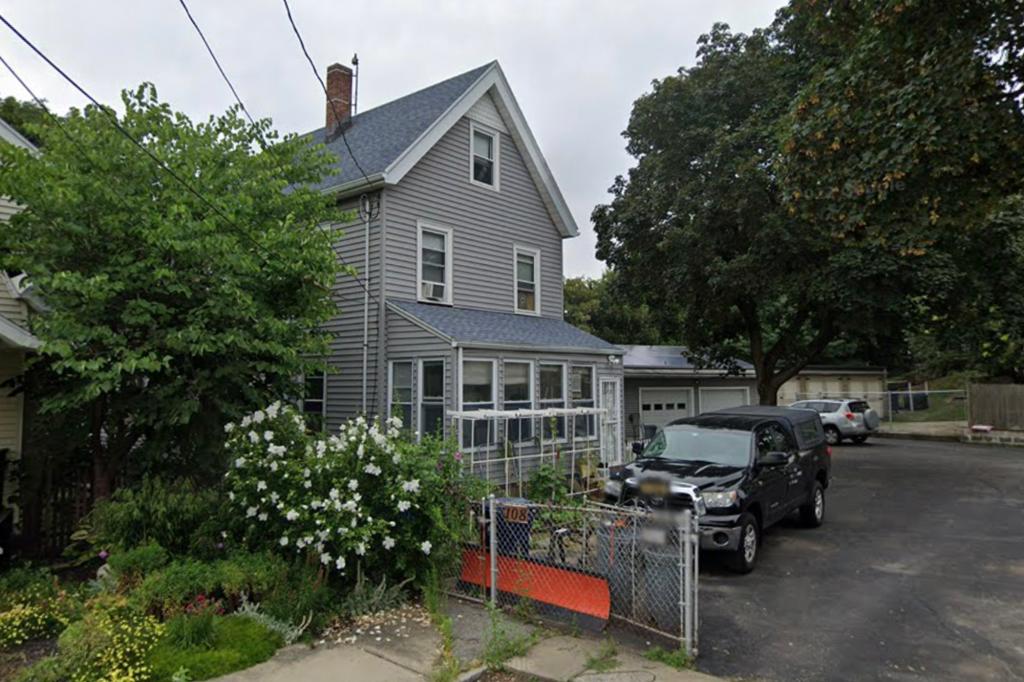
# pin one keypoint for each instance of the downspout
(366, 212)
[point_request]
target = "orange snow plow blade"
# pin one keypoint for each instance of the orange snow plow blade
(561, 588)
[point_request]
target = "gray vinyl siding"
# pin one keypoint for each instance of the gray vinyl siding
(634, 384)
(486, 224)
(344, 378)
(408, 342)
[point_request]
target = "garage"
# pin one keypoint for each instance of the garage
(712, 399)
(659, 406)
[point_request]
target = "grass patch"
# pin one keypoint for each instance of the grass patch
(942, 407)
(675, 658)
(604, 660)
(237, 643)
(502, 646)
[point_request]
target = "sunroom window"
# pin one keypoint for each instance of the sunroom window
(552, 395)
(432, 397)
(478, 394)
(583, 396)
(400, 397)
(519, 396)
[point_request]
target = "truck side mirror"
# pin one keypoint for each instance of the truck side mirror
(773, 459)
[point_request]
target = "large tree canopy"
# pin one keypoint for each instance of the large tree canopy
(599, 307)
(807, 183)
(164, 315)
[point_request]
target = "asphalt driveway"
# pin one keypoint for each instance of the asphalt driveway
(917, 574)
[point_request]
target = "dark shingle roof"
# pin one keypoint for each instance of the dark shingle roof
(663, 357)
(378, 136)
(469, 326)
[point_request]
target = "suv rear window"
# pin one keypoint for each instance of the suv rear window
(859, 406)
(828, 407)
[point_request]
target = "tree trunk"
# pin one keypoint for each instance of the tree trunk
(767, 390)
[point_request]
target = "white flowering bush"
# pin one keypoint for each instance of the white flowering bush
(367, 494)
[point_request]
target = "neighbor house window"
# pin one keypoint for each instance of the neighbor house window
(552, 395)
(314, 400)
(519, 396)
(478, 394)
(431, 397)
(527, 282)
(400, 395)
(435, 264)
(484, 157)
(582, 383)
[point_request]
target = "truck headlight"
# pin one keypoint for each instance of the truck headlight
(613, 488)
(720, 500)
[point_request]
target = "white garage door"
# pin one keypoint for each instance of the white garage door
(659, 406)
(712, 399)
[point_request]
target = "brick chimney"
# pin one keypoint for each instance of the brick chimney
(339, 97)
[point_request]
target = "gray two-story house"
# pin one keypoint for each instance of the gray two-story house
(458, 250)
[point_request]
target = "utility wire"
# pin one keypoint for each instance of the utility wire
(238, 99)
(216, 61)
(323, 86)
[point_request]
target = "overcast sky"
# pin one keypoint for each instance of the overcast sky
(575, 66)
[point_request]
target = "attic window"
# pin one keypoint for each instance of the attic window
(484, 153)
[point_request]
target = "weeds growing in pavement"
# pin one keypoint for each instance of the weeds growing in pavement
(604, 660)
(676, 658)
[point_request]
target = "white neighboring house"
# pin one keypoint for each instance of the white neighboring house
(16, 343)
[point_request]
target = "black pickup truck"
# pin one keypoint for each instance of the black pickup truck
(741, 469)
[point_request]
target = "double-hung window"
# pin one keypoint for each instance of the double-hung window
(400, 395)
(527, 280)
(435, 264)
(314, 400)
(478, 393)
(582, 379)
(519, 396)
(431, 397)
(483, 157)
(552, 395)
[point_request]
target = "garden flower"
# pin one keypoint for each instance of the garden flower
(273, 409)
(104, 554)
(361, 549)
(277, 450)
(389, 542)
(308, 484)
(258, 417)
(261, 485)
(268, 436)
(251, 512)
(325, 558)
(240, 462)
(246, 421)
(262, 516)
(229, 427)
(425, 546)
(292, 515)
(231, 496)
(284, 541)
(353, 484)
(404, 505)
(334, 494)
(273, 466)
(274, 496)
(372, 469)
(254, 437)
(412, 486)
(340, 563)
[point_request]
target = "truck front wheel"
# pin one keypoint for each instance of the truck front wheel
(744, 558)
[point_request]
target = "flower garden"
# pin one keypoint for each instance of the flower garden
(170, 581)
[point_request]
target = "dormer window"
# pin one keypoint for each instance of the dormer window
(435, 264)
(484, 157)
(527, 280)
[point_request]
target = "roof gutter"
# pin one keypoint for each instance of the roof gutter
(546, 349)
(376, 181)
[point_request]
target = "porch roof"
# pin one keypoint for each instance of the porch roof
(468, 327)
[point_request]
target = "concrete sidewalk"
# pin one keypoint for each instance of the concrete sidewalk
(407, 648)
(947, 431)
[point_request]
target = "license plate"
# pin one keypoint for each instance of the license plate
(654, 536)
(655, 488)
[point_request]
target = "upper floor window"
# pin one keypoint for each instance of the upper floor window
(527, 284)
(484, 157)
(435, 264)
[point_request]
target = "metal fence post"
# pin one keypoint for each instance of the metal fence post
(494, 550)
(686, 588)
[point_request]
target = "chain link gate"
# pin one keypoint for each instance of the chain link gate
(585, 564)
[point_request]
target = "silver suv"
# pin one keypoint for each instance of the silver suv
(853, 419)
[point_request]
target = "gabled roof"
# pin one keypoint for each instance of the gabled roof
(388, 140)
(9, 134)
(667, 358)
(484, 328)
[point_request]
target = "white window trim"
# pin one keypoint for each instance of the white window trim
(422, 225)
(494, 379)
(565, 396)
(418, 402)
(516, 250)
(391, 386)
(495, 136)
(533, 380)
(593, 392)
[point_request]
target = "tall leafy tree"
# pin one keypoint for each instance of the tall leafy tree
(164, 315)
(600, 307)
(808, 183)
(22, 116)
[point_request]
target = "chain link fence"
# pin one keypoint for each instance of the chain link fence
(914, 404)
(585, 564)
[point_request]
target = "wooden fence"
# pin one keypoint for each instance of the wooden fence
(998, 405)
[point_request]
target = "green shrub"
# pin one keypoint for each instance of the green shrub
(34, 606)
(192, 631)
(176, 515)
(132, 565)
(238, 643)
(167, 591)
(112, 641)
(366, 597)
(49, 669)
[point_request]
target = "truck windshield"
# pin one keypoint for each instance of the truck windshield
(691, 443)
